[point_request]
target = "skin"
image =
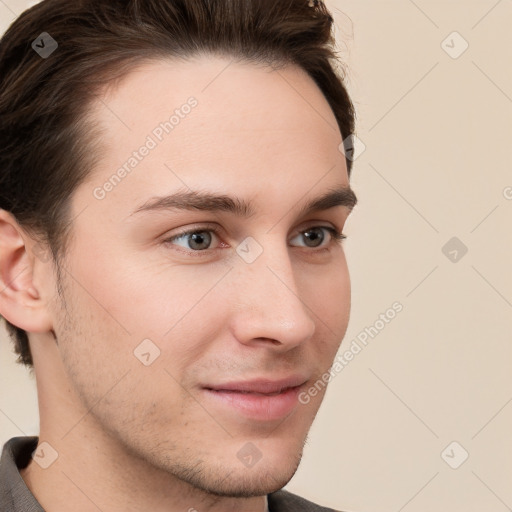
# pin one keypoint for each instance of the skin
(131, 437)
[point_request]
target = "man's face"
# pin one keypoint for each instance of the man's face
(262, 303)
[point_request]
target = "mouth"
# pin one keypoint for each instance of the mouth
(275, 393)
(260, 400)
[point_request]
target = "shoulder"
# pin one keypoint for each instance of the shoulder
(284, 501)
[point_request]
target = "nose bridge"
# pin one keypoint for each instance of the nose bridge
(270, 305)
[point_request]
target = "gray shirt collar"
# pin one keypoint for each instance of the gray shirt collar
(15, 496)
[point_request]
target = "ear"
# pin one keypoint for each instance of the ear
(21, 299)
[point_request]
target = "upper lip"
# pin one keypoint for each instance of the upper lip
(261, 385)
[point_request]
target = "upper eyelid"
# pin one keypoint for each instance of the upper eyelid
(217, 230)
(206, 225)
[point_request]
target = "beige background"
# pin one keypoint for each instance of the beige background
(437, 133)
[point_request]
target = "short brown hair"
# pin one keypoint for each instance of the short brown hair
(47, 140)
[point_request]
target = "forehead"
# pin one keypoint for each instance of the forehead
(217, 123)
(223, 85)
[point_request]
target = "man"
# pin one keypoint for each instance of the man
(173, 192)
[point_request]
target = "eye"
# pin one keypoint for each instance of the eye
(196, 240)
(200, 239)
(315, 236)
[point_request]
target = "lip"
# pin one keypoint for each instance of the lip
(257, 399)
(262, 385)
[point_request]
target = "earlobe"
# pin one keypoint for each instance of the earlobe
(21, 300)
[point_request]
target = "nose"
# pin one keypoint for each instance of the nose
(269, 308)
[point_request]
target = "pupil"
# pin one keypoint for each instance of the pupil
(314, 235)
(198, 238)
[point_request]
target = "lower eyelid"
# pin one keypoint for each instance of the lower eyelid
(336, 237)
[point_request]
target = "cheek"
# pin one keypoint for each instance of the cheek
(144, 294)
(327, 293)
(136, 312)
(113, 382)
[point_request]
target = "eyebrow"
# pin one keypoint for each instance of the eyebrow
(206, 201)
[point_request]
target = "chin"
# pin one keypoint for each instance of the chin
(241, 482)
(224, 473)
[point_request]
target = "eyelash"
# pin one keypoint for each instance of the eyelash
(337, 237)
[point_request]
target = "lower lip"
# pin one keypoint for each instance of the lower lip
(257, 406)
